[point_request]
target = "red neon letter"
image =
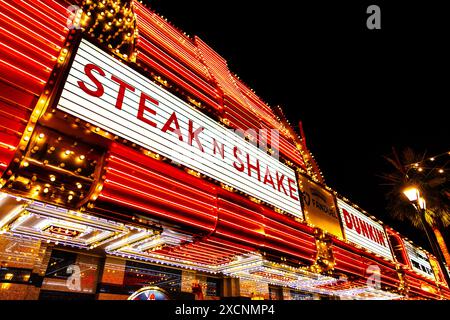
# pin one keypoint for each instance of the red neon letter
(143, 108)
(167, 127)
(380, 237)
(88, 71)
(371, 235)
(356, 223)
(280, 183)
(364, 227)
(217, 147)
(241, 166)
(347, 218)
(268, 178)
(194, 135)
(292, 189)
(122, 87)
(254, 167)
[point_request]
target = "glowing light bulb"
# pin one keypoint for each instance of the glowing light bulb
(68, 152)
(52, 178)
(41, 136)
(82, 157)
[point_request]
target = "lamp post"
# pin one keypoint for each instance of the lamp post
(413, 195)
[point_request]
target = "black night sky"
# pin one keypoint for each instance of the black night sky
(358, 92)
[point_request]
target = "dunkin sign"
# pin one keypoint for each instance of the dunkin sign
(111, 95)
(363, 231)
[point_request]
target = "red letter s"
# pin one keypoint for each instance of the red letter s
(88, 71)
(241, 166)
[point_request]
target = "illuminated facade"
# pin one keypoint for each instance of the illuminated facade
(134, 164)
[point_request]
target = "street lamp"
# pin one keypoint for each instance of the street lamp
(413, 195)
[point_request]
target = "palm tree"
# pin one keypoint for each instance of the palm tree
(409, 170)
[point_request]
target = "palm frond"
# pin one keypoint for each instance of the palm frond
(435, 190)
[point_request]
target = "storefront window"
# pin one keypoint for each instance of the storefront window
(70, 272)
(212, 287)
(275, 293)
(138, 275)
(59, 263)
(300, 295)
(15, 275)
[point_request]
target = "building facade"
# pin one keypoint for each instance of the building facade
(135, 165)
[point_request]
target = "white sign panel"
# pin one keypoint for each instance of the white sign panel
(362, 230)
(116, 98)
(419, 260)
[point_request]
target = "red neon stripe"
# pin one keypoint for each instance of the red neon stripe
(239, 227)
(21, 13)
(152, 63)
(172, 254)
(47, 69)
(140, 207)
(23, 71)
(180, 45)
(48, 18)
(162, 200)
(20, 39)
(28, 30)
(219, 250)
(170, 188)
(7, 146)
(244, 240)
(178, 67)
(148, 185)
(207, 251)
(199, 254)
(61, 7)
(159, 176)
(221, 242)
